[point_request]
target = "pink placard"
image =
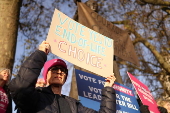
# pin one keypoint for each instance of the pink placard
(144, 94)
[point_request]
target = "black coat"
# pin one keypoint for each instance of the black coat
(42, 100)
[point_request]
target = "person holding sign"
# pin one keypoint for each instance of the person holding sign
(49, 99)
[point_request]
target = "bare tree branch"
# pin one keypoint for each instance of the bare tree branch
(156, 2)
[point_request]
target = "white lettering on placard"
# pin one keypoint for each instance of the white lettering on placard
(148, 99)
(87, 78)
(117, 96)
(126, 99)
(101, 82)
(122, 103)
(132, 106)
(91, 95)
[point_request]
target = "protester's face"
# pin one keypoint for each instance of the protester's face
(167, 106)
(4, 75)
(56, 75)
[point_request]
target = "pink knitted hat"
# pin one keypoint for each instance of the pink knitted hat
(51, 63)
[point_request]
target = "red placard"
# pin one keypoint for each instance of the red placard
(144, 94)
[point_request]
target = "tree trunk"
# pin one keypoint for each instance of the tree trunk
(9, 14)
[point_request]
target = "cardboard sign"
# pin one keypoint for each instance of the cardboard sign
(90, 87)
(123, 46)
(144, 94)
(80, 45)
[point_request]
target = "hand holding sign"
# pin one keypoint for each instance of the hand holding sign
(110, 81)
(44, 46)
(144, 109)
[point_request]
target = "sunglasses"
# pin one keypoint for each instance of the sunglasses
(55, 68)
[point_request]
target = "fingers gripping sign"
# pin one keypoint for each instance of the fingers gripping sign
(110, 81)
(44, 46)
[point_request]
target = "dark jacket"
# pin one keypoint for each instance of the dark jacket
(145, 109)
(42, 100)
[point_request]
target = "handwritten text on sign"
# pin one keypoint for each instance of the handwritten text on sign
(80, 45)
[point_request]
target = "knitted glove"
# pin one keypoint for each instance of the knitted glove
(144, 109)
(162, 109)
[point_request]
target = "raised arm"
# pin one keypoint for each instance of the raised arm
(22, 87)
(108, 103)
(30, 70)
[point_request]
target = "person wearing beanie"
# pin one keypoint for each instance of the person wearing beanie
(29, 99)
(5, 98)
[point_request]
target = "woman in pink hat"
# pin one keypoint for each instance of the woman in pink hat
(49, 99)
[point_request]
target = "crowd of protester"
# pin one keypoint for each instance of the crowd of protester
(32, 94)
